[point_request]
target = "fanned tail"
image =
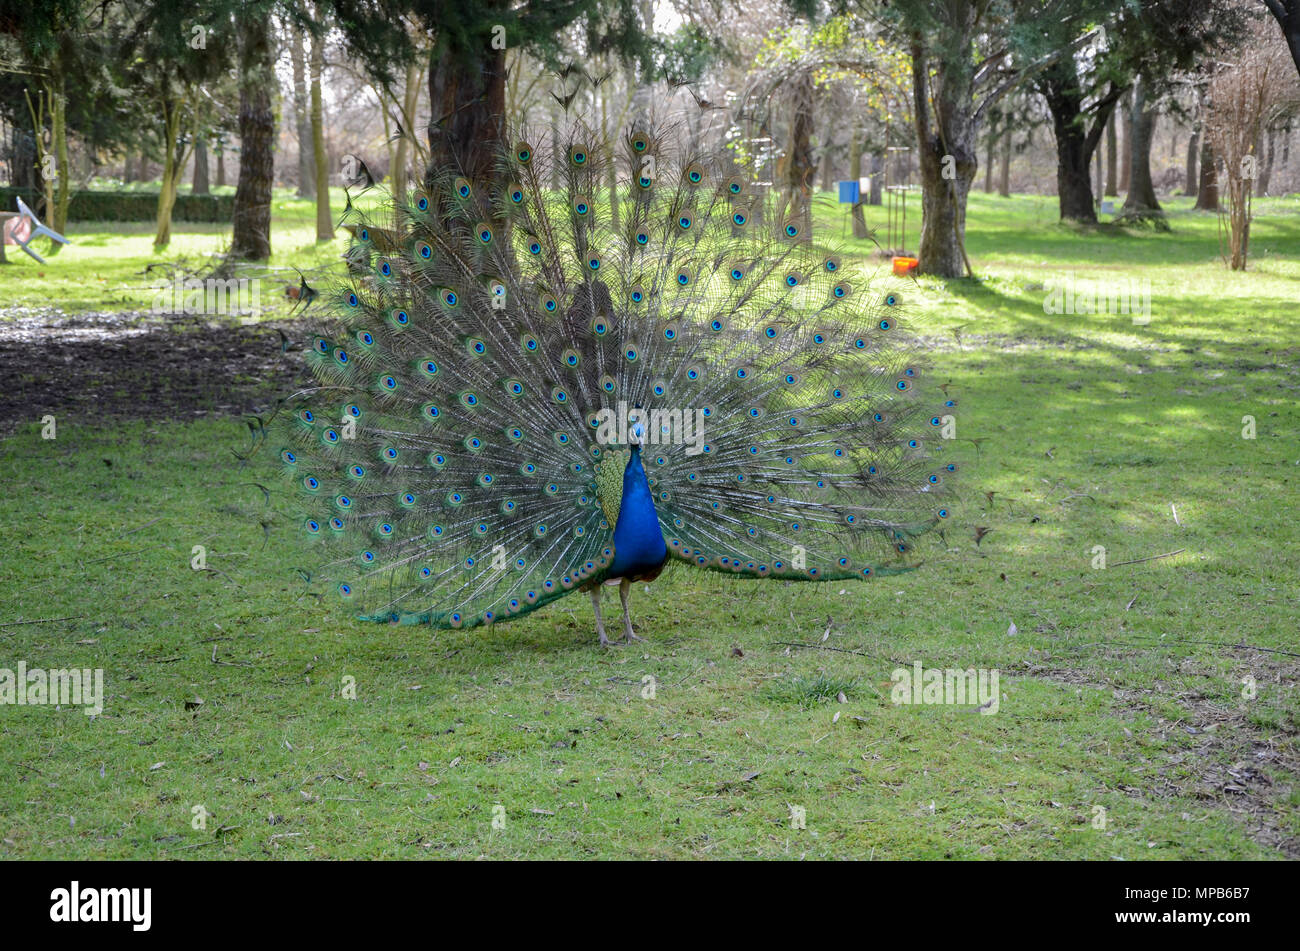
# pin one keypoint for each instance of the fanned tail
(453, 458)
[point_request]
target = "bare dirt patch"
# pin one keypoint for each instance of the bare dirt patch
(115, 366)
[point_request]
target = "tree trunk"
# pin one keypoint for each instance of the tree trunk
(800, 165)
(201, 185)
(1193, 147)
(252, 212)
(855, 173)
(1100, 185)
(1266, 171)
(59, 129)
(467, 102)
(947, 158)
(302, 116)
(324, 218)
(988, 159)
(1075, 141)
(221, 162)
(877, 173)
(1112, 156)
(1128, 142)
(1141, 199)
(172, 110)
(410, 103)
(1207, 194)
(1287, 13)
(1073, 180)
(1004, 171)
(611, 158)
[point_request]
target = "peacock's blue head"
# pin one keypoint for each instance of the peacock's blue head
(636, 434)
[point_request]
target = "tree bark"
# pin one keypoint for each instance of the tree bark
(1004, 171)
(855, 173)
(800, 166)
(1073, 180)
(173, 109)
(1207, 194)
(1124, 167)
(410, 103)
(1112, 156)
(1100, 184)
(947, 159)
(1059, 86)
(1287, 13)
(320, 157)
(988, 159)
(467, 99)
(1266, 170)
(302, 116)
(221, 162)
(1193, 148)
(59, 129)
(1141, 199)
(877, 173)
(200, 184)
(252, 213)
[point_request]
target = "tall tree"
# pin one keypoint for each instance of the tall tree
(1076, 138)
(324, 218)
(173, 52)
(467, 59)
(301, 114)
(1141, 201)
(966, 56)
(1112, 155)
(1151, 37)
(201, 184)
(1287, 14)
(61, 64)
(252, 212)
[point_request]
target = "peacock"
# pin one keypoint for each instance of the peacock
(593, 360)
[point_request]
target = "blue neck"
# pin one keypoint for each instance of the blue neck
(638, 542)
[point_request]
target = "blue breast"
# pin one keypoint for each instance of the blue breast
(638, 542)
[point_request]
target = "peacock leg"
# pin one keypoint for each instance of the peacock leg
(624, 586)
(595, 606)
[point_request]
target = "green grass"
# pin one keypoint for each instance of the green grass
(103, 268)
(1122, 690)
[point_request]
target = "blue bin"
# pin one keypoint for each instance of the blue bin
(848, 193)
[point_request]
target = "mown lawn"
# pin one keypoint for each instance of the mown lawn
(1148, 709)
(113, 265)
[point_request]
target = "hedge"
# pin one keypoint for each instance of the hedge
(130, 206)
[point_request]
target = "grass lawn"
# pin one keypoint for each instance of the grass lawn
(1148, 709)
(103, 268)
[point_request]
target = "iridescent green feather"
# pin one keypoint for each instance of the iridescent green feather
(446, 461)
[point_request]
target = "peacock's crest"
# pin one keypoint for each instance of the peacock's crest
(460, 453)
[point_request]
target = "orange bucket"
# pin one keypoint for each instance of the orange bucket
(904, 266)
